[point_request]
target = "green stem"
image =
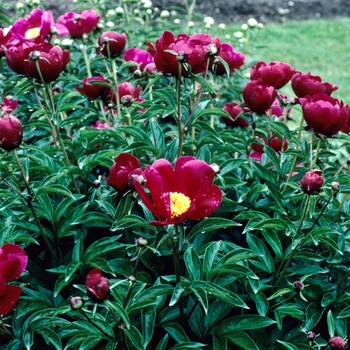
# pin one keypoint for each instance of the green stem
(115, 80)
(337, 215)
(86, 59)
(316, 154)
(29, 201)
(179, 112)
(290, 258)
(176, 258)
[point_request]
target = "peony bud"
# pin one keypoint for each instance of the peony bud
(76, 303)
(335, 186)
(11, 132)
(96, 183)
(311, 335)
(97, 286)
(312, 181)
(336, 343)
(298, 286)
(141, 242)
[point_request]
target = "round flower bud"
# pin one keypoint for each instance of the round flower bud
(97, 286)
(190, 24)
(252, 22)
(127, 100)
(11, 132)
(141, 242)
(137, 74)
(244, 26)
(165, 14)
(132, 278)
(177, 21)
(209, 20)
(222, 25)
(336, 343)
(96, 183)
(335, 186)
(182, 56)
(76, 303)
(312, 181)
(298, 286)
(119, 10)
(311, 335)
(34, 55)
(215, 167)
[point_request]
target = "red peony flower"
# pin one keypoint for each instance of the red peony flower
(258, 96)
(324, 114)
(141, 57)
(312, 181)
(9, 105)
(276, 74)
(79, 23)
(94, 91)
(13, 261)
(11, 133)
(97, 286)
(307, 84)
(234, 109)
(336, 343)
(234, 60)
(169, 50)
(124, 167)
(112, 44)
(180, 193)
(6, 41)
(39, 23)
(126, 90)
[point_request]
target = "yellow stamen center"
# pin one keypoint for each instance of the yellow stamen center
(32, 33)
(179, 204)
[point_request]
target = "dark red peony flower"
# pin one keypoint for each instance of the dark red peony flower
(312, 181)
(79, 23)
(307, 84)
(124, 167)
(126, 89)
(234, 109)
(180, 193)
(276, 74)
(11, 132)
(6, 41)
(112, 44)
(169, 50)
(97, 286)
(95, 90)
(141, 57)
(258, 96)
(233, 59)
(9, 105)
(324, 114)
(336, 343)
(13, 261)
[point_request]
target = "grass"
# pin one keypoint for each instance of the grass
(320, 46)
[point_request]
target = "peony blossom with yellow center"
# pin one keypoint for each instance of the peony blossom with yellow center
(182, 192)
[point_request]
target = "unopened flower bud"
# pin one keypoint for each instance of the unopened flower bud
(165, 14)
(127, 100)
(96, 183)
(97, 286)
(34, 55)
(252, 22)
(119, 10)
(311, 335)
(298, 286)
(182, 56)
(312, 181)
(137, 74)
(336, 343)
(132, 278)
(335, 186)
(141, 242)
(76, 303)
(212, 50)
(135, 178)
(215, 167)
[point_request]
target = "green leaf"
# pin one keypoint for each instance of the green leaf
(162, 345)
(50, 337)
(261, 303)
(148, 318)
(157, 136)
(263, 172)
(313, 314)
(120, 311)
(257, 245)
(279, 293)
(288, 346)
(135, 337)
(330, 324)
(243, 340)
(211, 224)
(178, 290)
(271, 154)
(193, 264)
(176, 332)
(344, 313)
(210, 255)
(186, 346)
(242, 323)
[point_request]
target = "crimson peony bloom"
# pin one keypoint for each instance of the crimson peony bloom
(9, 105)
(312, 181)
(234, 109)
(15, 56)
(180, 193)
(276, 74)
(276, 109)
(11, 133)
(258, 96)
(52, 61)
(5, 42)
(324, 114)
(169, 50)
(13, 261)
(141, 57)
(126, 90)
(39, 23)
(94, 91)
(234, 60)
(112, 44)
(307, 84)
(336, 343)
(79, 23)
(346, 127)
(122, 172)
(97, 286)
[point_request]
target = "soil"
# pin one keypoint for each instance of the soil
(239, 11)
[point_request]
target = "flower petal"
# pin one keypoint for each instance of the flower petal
(9, 299)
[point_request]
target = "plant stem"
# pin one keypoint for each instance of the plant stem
(115, 80)
(316, 154)
(337, 215)
(29, 201)
(179, 112)
(176, 259)
(86, 59)
(290, 258)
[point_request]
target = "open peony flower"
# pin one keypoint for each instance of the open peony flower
(95, 90)
(11, 133)
(112, 44)
(141, 57)
(180, 193)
